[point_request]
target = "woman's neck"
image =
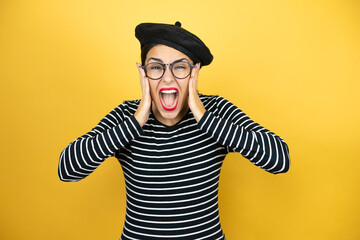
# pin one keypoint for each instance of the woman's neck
(169, 121)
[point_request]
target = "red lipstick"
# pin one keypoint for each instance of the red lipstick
(175, 99)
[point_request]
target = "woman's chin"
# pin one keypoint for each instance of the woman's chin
(169, 115)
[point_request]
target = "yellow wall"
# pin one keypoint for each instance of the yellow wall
(293, 66)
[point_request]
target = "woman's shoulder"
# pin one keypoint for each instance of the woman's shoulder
(208, 98)
(215, 103)
(212, 99)
(131, 102)
(128, 107)
(205, 97)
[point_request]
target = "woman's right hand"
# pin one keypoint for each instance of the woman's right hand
(143, 111)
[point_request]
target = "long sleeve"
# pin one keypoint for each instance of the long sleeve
(232, 128)
(82, 156)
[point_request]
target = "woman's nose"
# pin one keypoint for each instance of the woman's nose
(168, 76)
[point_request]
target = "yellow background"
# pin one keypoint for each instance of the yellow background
(293, 66)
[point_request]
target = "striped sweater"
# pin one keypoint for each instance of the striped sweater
(172, 172)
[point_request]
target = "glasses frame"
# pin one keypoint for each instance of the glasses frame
(171, 69)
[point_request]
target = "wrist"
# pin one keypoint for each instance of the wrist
(136, 115)
(199, 113)
(140, 118)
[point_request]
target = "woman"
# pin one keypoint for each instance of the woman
(172, 143)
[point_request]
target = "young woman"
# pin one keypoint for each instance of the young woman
(172, 142)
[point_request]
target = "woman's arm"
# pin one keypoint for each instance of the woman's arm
(82, 156)
(232, 128)
(117, 129)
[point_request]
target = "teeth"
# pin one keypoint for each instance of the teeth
(168, 91)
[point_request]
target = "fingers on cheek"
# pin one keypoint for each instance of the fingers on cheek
(194, 74)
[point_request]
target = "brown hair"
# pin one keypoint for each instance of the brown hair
(145, 50)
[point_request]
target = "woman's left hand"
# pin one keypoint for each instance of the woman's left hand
(195, 104)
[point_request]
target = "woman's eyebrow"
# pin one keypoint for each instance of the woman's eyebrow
(155, 59)
(181, 59)
(159, 60)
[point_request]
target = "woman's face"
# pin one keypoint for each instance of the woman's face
(169, 94)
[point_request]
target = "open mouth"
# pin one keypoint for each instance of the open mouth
(169, 98)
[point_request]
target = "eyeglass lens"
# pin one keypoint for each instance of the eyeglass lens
(179, 70)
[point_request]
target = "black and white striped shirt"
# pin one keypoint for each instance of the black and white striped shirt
(172, 172)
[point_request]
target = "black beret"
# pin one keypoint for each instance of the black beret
(176, 37)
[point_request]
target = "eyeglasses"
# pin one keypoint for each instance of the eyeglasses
(179, 69)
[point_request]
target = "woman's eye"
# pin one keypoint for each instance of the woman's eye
(180, 67)
(156, 67)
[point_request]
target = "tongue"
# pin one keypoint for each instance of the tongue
(169, 99)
